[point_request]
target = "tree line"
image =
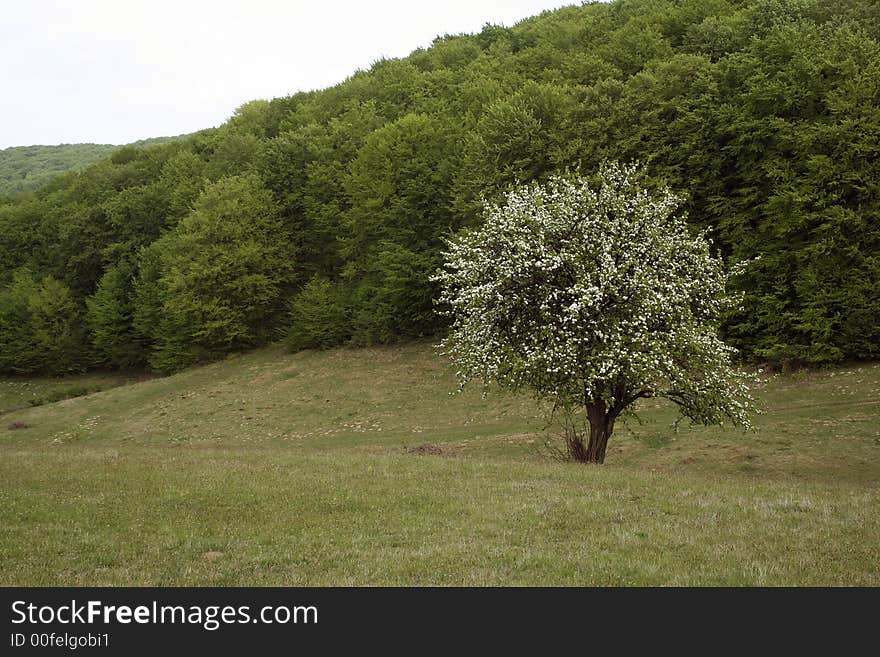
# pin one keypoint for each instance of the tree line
(320, 218)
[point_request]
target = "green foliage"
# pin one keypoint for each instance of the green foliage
(19, 236)
(394, 296)
(306, 168)
(40, 327)
(223, 271)
(136, 215)
(110, 317)
(318, 317)
(25, 168)
(594, 298)
(400, 194)
(147, 294)
(765, 112)
(515, 140)
(183, 178)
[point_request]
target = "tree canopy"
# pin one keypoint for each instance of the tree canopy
(593, 298)
(764, 112)
(222, 273)
(26, 168)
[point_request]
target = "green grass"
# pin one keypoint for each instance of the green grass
(24, 391)
(304, 469)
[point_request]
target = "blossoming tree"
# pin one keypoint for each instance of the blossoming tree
(593, 297)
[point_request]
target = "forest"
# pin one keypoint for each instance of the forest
(320, 218)
(26, 168)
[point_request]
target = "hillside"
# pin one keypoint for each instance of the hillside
(322, 216)
(362, 467)
(25, 168)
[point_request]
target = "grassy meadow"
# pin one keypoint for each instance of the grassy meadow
(365, 467)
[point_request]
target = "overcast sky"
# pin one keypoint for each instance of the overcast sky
(115, 71)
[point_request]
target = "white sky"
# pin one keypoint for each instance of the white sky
(115, 71)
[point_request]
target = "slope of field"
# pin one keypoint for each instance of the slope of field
(21, 392)
(356, 467)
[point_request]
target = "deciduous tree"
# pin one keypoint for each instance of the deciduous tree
(593, 297)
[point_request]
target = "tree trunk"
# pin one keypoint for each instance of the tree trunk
(601, 428)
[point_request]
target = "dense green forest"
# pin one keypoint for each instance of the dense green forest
(321, 216)
(25, 168)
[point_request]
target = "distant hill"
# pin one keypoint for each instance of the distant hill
(25, 168)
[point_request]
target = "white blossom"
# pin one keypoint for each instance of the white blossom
(593, 295)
